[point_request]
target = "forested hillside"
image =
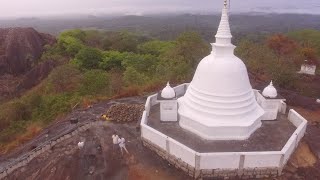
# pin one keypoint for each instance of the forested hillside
(96, 65)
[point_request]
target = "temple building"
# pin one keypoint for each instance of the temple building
(308, 68)
(218, 125)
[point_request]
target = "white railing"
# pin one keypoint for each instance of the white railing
(227, 160)
(154, 136)
(269, 159)
(181, 89)
(301, 124)
(283, 107)
(181, 151)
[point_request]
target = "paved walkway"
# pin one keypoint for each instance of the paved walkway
(272, 136)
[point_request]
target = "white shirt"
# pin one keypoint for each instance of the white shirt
(121, 142)
(115, 139)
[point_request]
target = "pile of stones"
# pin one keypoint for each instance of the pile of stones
(125, 112)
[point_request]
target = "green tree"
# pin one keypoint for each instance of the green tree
(93, 38)
(65, 78)
(75, 33)
(95, 82)
(191, 47)
(307, 38)
(155, 47)
(112, 59)
(70, 42)
(133, 77)
(143, 63)
(70, 45)
(89, 58)
(122, 41)
(18, 111)
(175, 69)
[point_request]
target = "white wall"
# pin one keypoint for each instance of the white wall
(288, 149)
(295, 118)
(153, 99)
(308, 69)
(283, 107)
(260, 99)
(144, 118)
(219, 160)
(154, 136)
(180, 90)
(262, 159)
(147, 106)
(301, 131)
(181, 151)
(301, 124)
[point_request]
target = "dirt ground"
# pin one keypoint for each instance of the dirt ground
(99, 160)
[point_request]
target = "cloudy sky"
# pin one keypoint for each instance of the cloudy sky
(22, 8)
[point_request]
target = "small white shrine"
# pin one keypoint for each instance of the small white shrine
(271, 102)
(168, 104)
(308, 68)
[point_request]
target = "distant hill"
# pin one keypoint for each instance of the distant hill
(168, 27)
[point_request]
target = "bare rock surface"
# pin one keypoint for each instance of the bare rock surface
(98, 159)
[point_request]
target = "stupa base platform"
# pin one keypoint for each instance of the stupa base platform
(271, 136)
(263, 155)
(219, 132)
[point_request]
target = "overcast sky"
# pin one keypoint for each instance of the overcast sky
(23, 8)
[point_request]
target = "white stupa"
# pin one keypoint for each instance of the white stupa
(270, 91)
(168, 92)
(219, 103)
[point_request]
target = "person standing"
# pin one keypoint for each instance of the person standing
(115, 140)
(122, 145)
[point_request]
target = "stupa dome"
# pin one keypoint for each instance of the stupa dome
(219, 102)
(168, 92)
(270, 91)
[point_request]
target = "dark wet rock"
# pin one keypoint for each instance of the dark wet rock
(36, 75)
(20, 48)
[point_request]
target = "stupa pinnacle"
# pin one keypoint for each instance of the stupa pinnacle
(223, 35)
(219, 102)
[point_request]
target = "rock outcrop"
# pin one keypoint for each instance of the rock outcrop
(36, 75)
(20, 51)
(20, 48)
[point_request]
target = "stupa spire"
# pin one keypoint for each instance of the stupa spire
(223, 35)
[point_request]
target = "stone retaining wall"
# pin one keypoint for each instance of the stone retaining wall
(242, 173)
(26, 158)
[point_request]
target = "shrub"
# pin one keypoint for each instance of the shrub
(17, 111)
(95, 82)
(64, 78)
(89, 58)
(133, 77)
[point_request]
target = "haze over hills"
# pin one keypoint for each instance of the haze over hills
(37, 8)
(170, 25)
